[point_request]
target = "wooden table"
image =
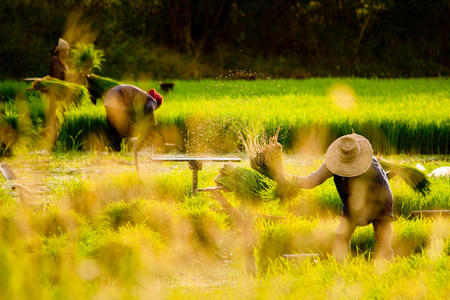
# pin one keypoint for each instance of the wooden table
(195, 164)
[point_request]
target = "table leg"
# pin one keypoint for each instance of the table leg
(195, 166)
(194, 181)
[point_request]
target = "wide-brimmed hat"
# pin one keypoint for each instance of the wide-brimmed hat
(349, 156)
(62, 45)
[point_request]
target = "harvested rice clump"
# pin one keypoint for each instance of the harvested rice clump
(251, 186)
(248, 185)
(98, 86)
(266, 180)
(266, 157)
(265, 154)
(66, 92)
(413, 177)
(86, 58)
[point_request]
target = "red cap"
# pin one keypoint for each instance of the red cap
(157, 96)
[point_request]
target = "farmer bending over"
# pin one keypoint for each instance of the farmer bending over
(364, 190)
(130, 110)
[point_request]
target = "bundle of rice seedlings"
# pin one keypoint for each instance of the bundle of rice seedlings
(98, 86)
(63, 91)
(265, 154)
(248, 185)
(86, 58)
(266, 157)
(410, 175)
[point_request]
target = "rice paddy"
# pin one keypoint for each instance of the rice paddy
(397, 116)
(91, 227)
(98, 228)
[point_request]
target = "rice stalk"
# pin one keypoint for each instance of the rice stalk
(64, 92)
(410, 175)
(248, 185)
(98, 86)
(265, 154)
(86, 58)
(251, 186)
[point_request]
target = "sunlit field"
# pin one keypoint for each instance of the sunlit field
(398, 116)
(95, 228)
(80, 222)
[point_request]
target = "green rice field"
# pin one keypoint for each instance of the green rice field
(87, 225)
(398, 116)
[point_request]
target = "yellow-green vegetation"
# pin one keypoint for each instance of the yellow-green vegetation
(86, 58)
(95, 229)
(87, 226)
(64, 92)
(98, 86)
(397, 116)
(247, 184)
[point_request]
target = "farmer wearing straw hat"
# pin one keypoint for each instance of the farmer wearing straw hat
(363, 187)
(58, 66)
(127, 105)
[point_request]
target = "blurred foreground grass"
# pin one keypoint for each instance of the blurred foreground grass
(106, 233)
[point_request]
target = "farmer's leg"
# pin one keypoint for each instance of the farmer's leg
(383, 234)
(344, 231)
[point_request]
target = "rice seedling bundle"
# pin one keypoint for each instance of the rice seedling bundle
(266, 157)
(265, 154)
(411, 175)
(248, 185)
(65, 92)
(251, 186)
(86, 58)
(98, 86)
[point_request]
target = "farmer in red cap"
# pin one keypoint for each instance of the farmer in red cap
(363, 187)
(130, 110)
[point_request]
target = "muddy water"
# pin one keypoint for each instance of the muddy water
(45, 174)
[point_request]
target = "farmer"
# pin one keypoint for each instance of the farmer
(130, 109)
(58, 66)
(364, 190)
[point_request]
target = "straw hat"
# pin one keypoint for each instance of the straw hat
(349, 156)
(62, 45)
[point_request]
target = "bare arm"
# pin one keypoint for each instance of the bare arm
(308, 182)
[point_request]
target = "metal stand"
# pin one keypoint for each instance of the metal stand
(195, 166)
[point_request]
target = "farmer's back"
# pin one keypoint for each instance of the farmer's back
(126, 104)
(126, 97)
(366, 197)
